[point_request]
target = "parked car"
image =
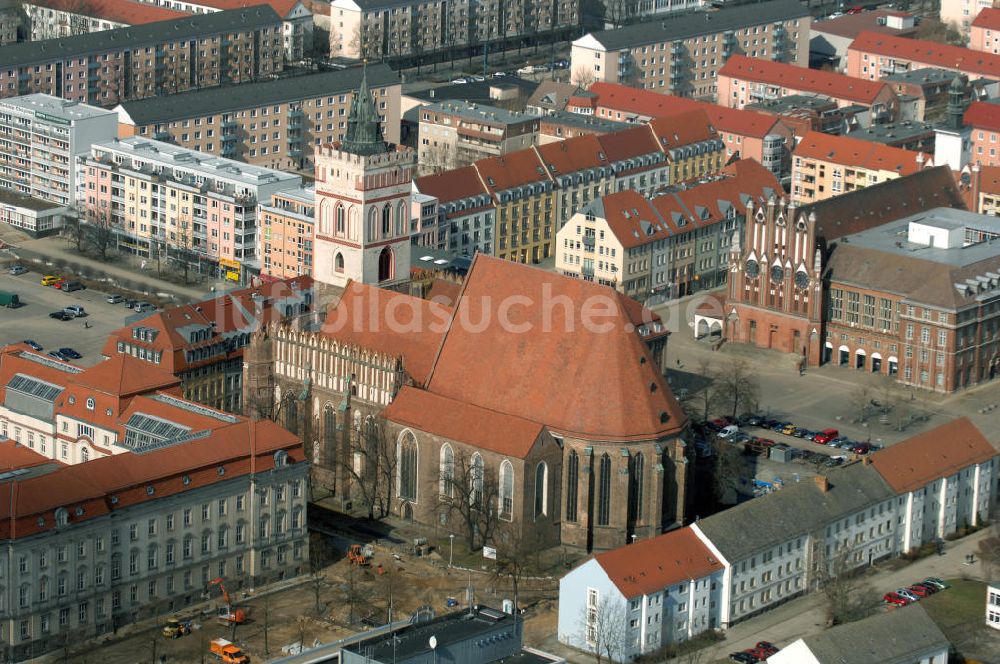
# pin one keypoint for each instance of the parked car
(919, 591)
(929, 588)
(58, 285)
(742, 657)
(114, 299)
(861, 448)
(56, 354)
(459, 81)
(130, 304)
(76, 310)
(50, 279)
(142, 307)
(61, 315)
(754, 420)
(780, 426)
(17, 269)
(729, 431)
(34, 345)
(527, 69)
(70, 353)
(907, 594)
(934, 581)
(895, 598)
(825, 436)
(788, 429)
(764, 650)
(70, 286)
(478, 79)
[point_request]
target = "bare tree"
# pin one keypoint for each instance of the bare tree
(861, 402)
(471, 492)
(848, 597)
(730, 471)
(604, 629)
(372, 466)
(737, 386)
(699, 401)
(100, 231)
(618, 12)
(583, 77)
(517, 557)
(74, 229)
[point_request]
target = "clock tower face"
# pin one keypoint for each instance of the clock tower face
(753, 268)
(802, 280)
(777, 274)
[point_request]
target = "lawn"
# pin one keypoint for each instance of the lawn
(961, 605)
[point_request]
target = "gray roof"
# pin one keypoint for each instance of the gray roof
(472, 91)
(9, 197)
(599, 125)
(793, 103)
(484, 113)
(211, 101)
(26, 53)
(892, 134)
(896, 637)
(700, 23)
(794, 511)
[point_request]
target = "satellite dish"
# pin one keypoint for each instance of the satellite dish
(433, 641)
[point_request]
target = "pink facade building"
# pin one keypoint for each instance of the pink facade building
(984, 35)
(984, 120)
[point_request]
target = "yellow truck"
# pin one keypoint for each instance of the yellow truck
(227, 653)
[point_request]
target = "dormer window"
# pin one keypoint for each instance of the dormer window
(90, 403)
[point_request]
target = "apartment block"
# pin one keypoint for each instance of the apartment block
(962, 13)
(41, 138)
(744, 80)
(390, 29)
(982, 120)
(525, 201)
(984, 34)
(455, 134)
(682, 55)
(55, 19)
(462, 218)
(203, 344)
(163, 199)
(287, 226)
(10, 22)
(671, 244)
(983, 192)
(296, 19)
(874, 56)
(124, 500)
(824, 166)
(830, 37)
(156, 59)
(746, 134)
(273, 124)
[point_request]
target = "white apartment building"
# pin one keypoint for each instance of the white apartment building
(124, 500)
(961, 13)
(41, 137)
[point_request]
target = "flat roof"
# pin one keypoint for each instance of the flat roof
(793, 103)
(892, 133)
(480, 112)
(683, 26)
(568, 119)
(471, 91)
(47, 50)
(892, 238)
(213, 101)
(8, 197)
(922, 75)
(58, 107)
(174, 156)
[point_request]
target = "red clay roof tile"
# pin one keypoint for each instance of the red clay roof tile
(452, 185)
(828, 83)
(849, 151)
(989, 18)
(929, 53)
(119, 11)
(983, 115)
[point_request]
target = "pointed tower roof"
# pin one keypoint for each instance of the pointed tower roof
(364, 133)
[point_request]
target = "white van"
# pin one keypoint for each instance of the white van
(729, 431)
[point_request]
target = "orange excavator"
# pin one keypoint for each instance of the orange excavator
(227, 614)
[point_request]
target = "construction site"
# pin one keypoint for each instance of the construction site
(363, 578)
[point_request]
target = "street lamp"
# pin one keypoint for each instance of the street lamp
(451, 546)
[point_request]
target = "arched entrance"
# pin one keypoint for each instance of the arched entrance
(386, 265)
(893, 365)
(876, 363)
(827, 352)
(860, 357)
(845, 356)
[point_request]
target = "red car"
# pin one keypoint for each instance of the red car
(895, 598)
(825, 436)
(766, 648)
(919, 591)
(926, 586)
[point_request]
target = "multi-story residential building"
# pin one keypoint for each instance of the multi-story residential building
(961, 13)
(10, 22)
(41, 138)
(525, 201)
(387, 29)
(275, 124)
(873, 56)
(33, 216)
(659, 591)
(286, 233)
(202, 344)
(462, 218)
(993, 605)
(163, 199)
(930, 87)
(56, 19)
(983, 189)
(869, 639)
(561, 125)
(984, 34)
(455, 134)
(151, 60)
(982, 121)
(124, 500)
(746, 134)
(682, 55)
(831, 37)
(670, 245)
(824, 166)
(744, 80)
(691, 143)
(915, 299)
(790, 542)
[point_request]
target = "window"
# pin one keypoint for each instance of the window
(241, 533)
(447, 471)
(541, 489)
(407, 454)
(476, 476)
(506, 490)
(572, 484)
(636, 487)
(604, 494)
(592, 616)
(836, 303)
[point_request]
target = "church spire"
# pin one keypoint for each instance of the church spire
(956, 103)
(364, 133)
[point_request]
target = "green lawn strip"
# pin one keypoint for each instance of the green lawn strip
(962, 604)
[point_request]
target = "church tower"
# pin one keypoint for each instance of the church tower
(362, 229)
(952, 139)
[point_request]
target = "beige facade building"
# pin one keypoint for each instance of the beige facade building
(287, 228)
(274, 124)
(55, 19)
(124, 500)
(455, 134)
(388, 29)
(683, 55)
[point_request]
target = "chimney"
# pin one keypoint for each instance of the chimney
(822, 483)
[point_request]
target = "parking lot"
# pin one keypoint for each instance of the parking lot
(31, 321)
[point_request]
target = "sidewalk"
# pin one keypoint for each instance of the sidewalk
(807, 615)
(124, 272)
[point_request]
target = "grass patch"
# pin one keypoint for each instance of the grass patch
(961, 605)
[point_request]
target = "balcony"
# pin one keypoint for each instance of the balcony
(227, 122)
(586, 269)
